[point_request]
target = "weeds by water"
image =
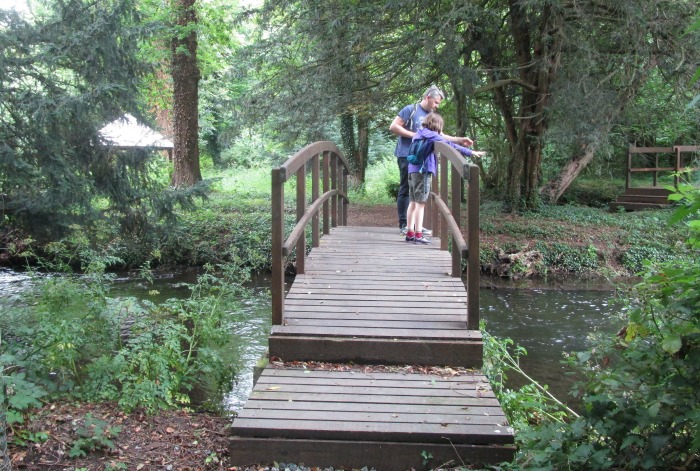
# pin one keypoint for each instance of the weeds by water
(69, 338)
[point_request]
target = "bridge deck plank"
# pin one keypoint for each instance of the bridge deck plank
(402, 407)
(359, 274)
(369, 297)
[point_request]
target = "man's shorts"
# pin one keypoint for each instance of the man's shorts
(419, 186)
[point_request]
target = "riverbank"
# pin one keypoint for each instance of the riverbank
(233, 225)
(572, 242)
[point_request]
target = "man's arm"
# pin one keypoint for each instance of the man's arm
(397, 128)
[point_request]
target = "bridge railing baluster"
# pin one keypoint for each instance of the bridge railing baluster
(326, 189)
(315, 187)
(462, 172)
(334, 198)
(301, 209)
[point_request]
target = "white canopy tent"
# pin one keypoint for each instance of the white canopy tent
(126, 132)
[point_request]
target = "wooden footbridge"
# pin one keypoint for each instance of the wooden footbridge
(397, 332)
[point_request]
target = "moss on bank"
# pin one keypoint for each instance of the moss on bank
(576, 240)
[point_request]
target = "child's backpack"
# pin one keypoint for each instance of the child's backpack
(418, 151)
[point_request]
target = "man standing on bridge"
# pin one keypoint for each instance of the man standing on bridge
(405, 125)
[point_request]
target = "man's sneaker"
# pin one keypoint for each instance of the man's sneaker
(410, 239)
(404, 230)
(427, 231)
(421, 240)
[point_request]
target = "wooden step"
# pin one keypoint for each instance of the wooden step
(463, 352)
(635, 206)
(385, 420)
(642, 199)
(648, 191)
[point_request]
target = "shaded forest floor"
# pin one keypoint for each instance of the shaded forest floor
(104, 438)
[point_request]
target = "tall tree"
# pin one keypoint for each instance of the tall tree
(319, 63)
(517, 57)
(522, 62)
(186, 75)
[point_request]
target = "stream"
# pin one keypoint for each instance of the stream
(546, 319)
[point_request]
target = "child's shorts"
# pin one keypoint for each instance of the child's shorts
(419, 186)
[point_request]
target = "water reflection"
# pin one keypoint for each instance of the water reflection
(250, 335)
(548, 322)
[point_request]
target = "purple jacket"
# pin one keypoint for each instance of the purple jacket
(430, 164)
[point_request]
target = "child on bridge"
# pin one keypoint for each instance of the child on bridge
(420, 176)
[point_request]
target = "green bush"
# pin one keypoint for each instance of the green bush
(597, 193)
(640, 407)
(640, 404)
(567, 258)
(73, 340)
(93, 434)
(634, 258)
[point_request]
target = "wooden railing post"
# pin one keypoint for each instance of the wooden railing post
(432, 218)
(334, 186)
(444, 163)
(326, 185)
(344, 204)
(301, 209)
(315, 174)
(456, 209)
(473, 266)
(628, 179)
(277, 288)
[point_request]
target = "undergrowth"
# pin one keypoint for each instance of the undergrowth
(68, 338)
(638, 392)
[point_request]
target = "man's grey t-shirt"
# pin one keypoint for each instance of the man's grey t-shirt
(404, 143)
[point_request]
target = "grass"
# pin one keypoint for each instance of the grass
(569, 239)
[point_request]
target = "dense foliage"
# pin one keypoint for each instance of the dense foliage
(56, 94)
(640, 407)
(542, 85)
(70, 338)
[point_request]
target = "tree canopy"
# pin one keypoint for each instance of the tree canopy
(512, 67)
(56, 93)
(543, 85)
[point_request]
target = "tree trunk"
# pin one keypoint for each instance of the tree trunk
(362, 146)
(587, 146)
(556, 187)
(355, 149)
(186, 75)
(347, 136)
(538, 55)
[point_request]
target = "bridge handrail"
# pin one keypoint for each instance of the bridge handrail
(461, 170)
(335, 183)
(676, 167)
(311, 211)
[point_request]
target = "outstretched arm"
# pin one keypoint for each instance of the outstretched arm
(468, 152)
(462, 141)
